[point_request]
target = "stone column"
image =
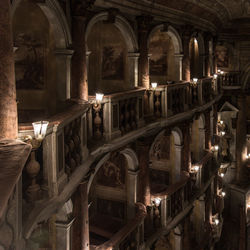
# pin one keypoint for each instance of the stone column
(186, 147)
(177, 238)
(143, 28)
(79, 60)
(63, 235)
(8, 107)
(207, 130)
(132, 192)
(207, 38)
(240, 133)
(133, 68)
(80, 213)
(178, 66)
(202, 132)
(186, 35)
(63, 62)
(143, 157)
(178, 162)
(214, 56)
(83, 188)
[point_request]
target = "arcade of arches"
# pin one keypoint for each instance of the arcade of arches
(161, 161)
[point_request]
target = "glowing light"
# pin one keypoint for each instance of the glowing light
(223, 133)
(157, 201)
(215, 76)
(154, 85)
(195, 80)
(40, 129)
(223, 194)
(216, 221)
(216, 147)
(222, 175)
(98, 97)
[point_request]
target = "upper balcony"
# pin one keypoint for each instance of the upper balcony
(230, 80)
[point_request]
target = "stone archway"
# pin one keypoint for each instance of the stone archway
(129, 37)
(177, 43)
(62, 40)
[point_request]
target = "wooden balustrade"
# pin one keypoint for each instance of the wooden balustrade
(206, 85)
(130, 236)
(62, 150)
(230, 79)
(118, 114)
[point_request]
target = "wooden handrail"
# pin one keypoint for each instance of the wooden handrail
(126, 230)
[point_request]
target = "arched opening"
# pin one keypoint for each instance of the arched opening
(161, 61)
(164, 48)
(112, 63)
(194, 58)
(197, 145)
(165, 160)
(41, 60)
(112, 195)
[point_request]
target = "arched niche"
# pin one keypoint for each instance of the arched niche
(165, 53)
(197, 138)
(42, 60)
(114, 183)
(165, 159)
(113, 58)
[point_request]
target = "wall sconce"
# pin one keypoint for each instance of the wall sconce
(33, 191)
(222, 133)
(195, 168)
(219, 71)
(215, 148)
(222, 72)
(221, 122)
(221, 175)
(216, 222)
(154, 85)
(248, 156)
(223, 193)
(215, 76)
(98, 97)
(195, 80)
(97, 120)
(157, 201)
(40, 129)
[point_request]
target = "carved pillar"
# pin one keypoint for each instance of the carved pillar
(178, 238)
(214, 56)
(80, 213)
(240, 133)
(143, 157)
(186, 147)
(79, 60)
(178, 66)
(143, 28)
(207, 38)
(8, 107)
(132, 182)
(178, 162)
(207, 130)
(133, 68)
(186, 57)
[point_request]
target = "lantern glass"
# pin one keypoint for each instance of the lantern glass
(195, 80)
(98, 97)
(40, 129)
(154, 85)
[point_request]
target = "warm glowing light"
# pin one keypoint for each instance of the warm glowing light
(215, 76)
(222, 72)
(154, 85)
(216, 221)
(98, 97)
(195, 40)
(222, 175)
(195, 80)
(221, 122)
(248, 206)
(157, 201)
(196, 168)
(219, 70)
(223, 194)
(40, 129)
(223, 133)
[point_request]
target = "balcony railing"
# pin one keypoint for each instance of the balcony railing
(62, 151)
(130, 236)
(230, 79)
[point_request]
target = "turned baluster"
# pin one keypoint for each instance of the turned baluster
(33, 191)
(122, 116)
(97, 120)
(133, 113)
(127, 116)
(157, 104)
